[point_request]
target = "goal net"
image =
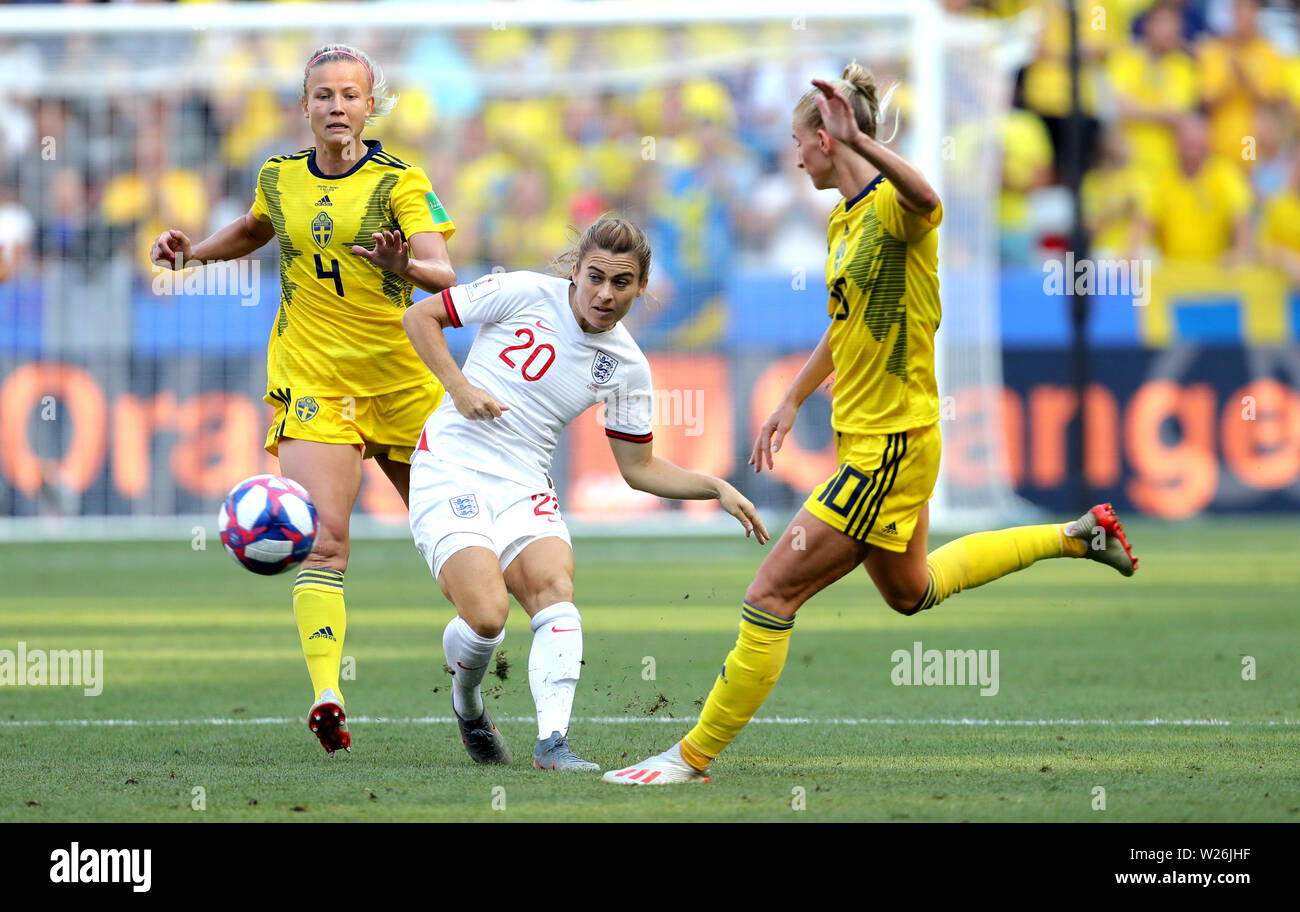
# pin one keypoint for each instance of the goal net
(131, 401)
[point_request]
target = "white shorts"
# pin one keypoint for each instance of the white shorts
(454, 507)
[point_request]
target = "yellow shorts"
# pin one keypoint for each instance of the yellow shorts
(387, 425)
(880, 487)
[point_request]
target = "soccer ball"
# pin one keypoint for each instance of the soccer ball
(268, 523)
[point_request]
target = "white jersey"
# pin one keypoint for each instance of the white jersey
(532, 356)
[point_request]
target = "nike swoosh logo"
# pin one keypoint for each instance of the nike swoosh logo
(539, 325)
(555, 629)
(468, 668)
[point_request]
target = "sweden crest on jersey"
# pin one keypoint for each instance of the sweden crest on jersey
(465, 506)
(322, 227)
(602, 367)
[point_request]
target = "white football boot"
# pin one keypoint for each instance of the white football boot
(668, 768)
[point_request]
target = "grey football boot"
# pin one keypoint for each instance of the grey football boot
(554, 753)
(482, 740)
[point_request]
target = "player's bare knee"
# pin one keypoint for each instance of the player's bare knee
(486, 620)
(768, 598)
(905, 603)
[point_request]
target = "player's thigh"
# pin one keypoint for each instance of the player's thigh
(808, 557)
(902, 577)
(452, 525)
(542, 574)
(470, 578)
(331, 473)
(392, 424)
(399, 473)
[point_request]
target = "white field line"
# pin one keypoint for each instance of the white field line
(634, 720)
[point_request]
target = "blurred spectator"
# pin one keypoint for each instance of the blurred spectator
(154, 196)
(63, 225)
(1192, 22)
(1272, 166)
(1155, 87)
(1046, 81)
(1279, 235)
(1240, 73)
(1113, 202)
(1026, 167)
(17, 231)
(1201, 209)
(528, 230)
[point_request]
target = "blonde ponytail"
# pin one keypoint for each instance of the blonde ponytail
(859, 87)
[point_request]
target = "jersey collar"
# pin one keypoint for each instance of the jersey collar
(848, 204)
(372, 146)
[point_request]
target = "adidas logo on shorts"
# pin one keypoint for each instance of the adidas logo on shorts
(891, 529)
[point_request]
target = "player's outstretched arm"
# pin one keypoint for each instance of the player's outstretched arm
(817, 368)
(172, 249)
(424, 322)
(644, 471)
(914, 191)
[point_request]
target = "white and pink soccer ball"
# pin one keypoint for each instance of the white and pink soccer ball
(268, 523)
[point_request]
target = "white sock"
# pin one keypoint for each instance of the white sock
(554, 665)
(467, 655)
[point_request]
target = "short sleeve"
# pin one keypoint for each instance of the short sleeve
(627, 406)
(417, 208)
(902, 223)
(260, 210)
(490, 299)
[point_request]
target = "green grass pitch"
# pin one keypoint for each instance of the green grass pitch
(1083, 655)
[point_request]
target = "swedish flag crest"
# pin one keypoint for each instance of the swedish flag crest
(322, 228)
(306, 408)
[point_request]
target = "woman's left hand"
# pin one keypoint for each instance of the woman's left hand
(391, 251)
(837, 113)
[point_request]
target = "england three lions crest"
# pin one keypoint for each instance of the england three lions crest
(465, 506)
(603, 367)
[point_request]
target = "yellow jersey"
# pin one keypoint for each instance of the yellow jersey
(1281, 223)
(1169, 83)
(1194, 217)
(1240, 82)
(882, 272)
(339, 328)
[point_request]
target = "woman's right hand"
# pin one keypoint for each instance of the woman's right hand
(167, 247)
(477, 404)
(771, 434)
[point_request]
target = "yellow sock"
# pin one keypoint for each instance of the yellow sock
(322, 621)
(974, 560)
(748, 675)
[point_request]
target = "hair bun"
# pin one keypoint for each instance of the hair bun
(858, 76)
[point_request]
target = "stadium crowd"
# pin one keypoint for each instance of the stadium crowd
(1191, 133)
